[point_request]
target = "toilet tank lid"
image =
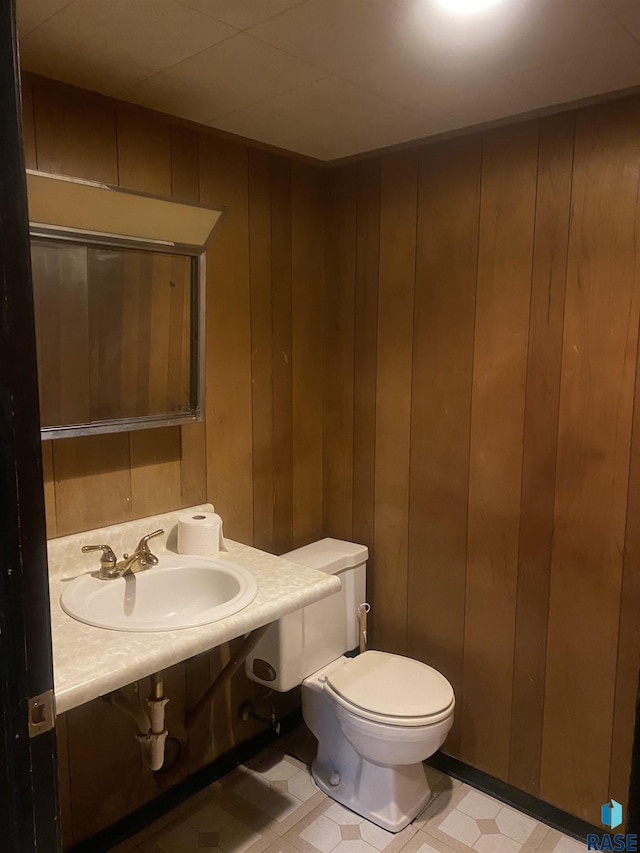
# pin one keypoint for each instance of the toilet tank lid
(329, 555)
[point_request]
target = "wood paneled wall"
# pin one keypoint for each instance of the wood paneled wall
(435, 353)
(258, 457)
(481, 432)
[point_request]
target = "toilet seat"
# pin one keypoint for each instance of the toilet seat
(391, 689)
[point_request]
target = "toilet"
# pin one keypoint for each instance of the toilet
(376, 716)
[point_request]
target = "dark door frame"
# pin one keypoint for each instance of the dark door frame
(633, 804)
(28, 768)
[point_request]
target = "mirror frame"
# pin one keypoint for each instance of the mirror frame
(197, 253)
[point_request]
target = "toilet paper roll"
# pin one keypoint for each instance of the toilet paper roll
(200, 534)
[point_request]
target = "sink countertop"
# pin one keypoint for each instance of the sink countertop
(89, 662)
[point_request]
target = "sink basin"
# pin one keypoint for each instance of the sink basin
(180, 592)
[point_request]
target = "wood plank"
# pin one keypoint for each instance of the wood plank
(155, 471)
(61, 308)
(308, 222)
(136, 334)
(144, 161)
(553, 207)
(224, 180)
(75, 135)
(144, 152)
(366, 354)
(171, 324)
(200, 738)
(49, 489)
(338, 379)
(446, 267)
(261, 348)
(105, 297)
(143, 375)
(193, 437)
(398, 217)
(497, 422)
(64, 782)
(163, 275)
(280, 176)
(222, 724)
(46, 271)
(179, 379)
(193, 470)
(145, 164)
(73, 298)
(594, 439)
(184, 163)
(106, 782)
(28, 124)
(93, 481)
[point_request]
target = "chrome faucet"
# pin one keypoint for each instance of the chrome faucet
(141, 558)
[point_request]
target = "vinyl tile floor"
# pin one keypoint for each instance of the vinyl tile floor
(272, 805)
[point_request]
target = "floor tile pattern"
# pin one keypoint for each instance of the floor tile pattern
(272, 805)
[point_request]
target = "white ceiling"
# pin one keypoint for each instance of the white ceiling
(331, 78)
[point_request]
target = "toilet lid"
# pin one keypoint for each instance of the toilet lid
(393, 687)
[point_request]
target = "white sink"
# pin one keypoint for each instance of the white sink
(180, 592)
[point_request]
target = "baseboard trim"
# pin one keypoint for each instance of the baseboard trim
(167, 800)
(527, 803)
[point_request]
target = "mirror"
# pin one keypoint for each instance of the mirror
(113, 332)
(119, 316)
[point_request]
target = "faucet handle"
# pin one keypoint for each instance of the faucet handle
(108, 559)
(142, 544)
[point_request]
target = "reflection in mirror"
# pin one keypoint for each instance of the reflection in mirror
(117, 333)
(119, 292)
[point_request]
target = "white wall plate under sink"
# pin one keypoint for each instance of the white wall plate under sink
(180, 592)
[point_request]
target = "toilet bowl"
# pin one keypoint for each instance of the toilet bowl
(376, 716)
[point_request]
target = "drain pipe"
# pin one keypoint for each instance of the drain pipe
(151, 734)
(234, 664)
(155, 738)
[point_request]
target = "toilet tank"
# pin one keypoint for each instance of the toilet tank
(302, 642)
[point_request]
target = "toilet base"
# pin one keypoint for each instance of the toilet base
(372, 768)
(390, 797)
